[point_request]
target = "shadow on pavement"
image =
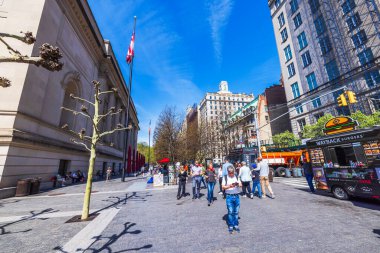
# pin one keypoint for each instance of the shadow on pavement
(376, 231)
(8, 201)
(372, 204)
(33, 215)
(105, 242)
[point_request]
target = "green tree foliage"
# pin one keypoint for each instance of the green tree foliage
(286, 139)
(366, 120)
(315, 130)
(143, 149)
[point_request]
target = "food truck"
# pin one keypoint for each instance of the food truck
(346, 161)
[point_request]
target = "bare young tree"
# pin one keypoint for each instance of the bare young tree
(48, 58)
(166, 134)
(90, 142)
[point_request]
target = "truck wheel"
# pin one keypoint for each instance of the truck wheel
(339, 193)
(280, 171)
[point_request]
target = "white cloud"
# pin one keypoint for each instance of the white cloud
(220, 11)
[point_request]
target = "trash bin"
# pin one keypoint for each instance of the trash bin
(35, 186)
(270, 175)
(287, 172)
(23, 187)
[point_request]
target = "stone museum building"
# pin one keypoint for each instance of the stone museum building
(32, 140)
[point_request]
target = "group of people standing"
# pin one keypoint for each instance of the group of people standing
(231, 179)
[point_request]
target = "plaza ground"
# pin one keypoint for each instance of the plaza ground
(136, 218)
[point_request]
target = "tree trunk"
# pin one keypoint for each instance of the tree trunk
(87, 194)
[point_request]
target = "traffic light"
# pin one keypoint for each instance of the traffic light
(351, 97)
(263, 149)
(342, 101)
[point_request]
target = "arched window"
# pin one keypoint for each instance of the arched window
(67, 117)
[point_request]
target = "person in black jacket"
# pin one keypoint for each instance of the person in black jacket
(182, 175)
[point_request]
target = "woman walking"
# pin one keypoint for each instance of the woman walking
(182, 175)
(211, 180)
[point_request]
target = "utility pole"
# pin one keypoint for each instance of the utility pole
(257, 132)
(149, 146)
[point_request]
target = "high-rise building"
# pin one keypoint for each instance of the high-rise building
(212, 110)
(325, 47)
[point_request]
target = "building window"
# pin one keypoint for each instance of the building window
(314, 5)
(366, 56)
(348, 6)
(297, 20)
(372, 78)
(281, 20)
(332, 70)
(293, 6)
(284, 35)
(299, 108)
(311, 81)
(301, 124)
(266, 119)
(376, 102)
(318, 115)
(316, 102)
(359, 39)
(302, 41)
(353, 21)
(320, 25)
(288, 53)
(291, 70)
(295, 90)
(325, 45)
(210, 97)
(306, 59)
(277, 3)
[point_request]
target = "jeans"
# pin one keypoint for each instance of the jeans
(233, 205)
(246, 187)
(181, 188)
(196, 181)
(309, 179)
(203, 182)
(256, 184)
(220, 184)
(210, 191)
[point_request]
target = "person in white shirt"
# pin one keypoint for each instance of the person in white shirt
(263, 167)
(231, 186)
(246, 179)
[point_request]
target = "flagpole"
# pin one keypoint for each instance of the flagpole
(149, 148)
(127, 111)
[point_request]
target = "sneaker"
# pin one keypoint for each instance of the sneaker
(208, 203)
(251, 196)
(193, 197)
(264, 197)
(272, 196)
(244, 196)
(220, 193)
(237, 229)
(230, 230)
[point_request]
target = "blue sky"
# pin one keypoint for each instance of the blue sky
(184, 48)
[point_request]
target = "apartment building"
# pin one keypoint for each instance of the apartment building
(324, 48)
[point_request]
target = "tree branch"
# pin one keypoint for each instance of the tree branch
(76, 112)
(82, 144)
(28, 37)
(109, 113)
(81, 99)
(9, 47)
(114, 130)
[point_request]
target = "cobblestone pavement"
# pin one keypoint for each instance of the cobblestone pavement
(153, 220)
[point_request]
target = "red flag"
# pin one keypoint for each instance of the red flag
(131, 52)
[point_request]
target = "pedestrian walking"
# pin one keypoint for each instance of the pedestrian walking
(308, 170)
(231, 186)
(225, 172)
(246, 179)
(256, 181)
(196, 180)
(203, 176)
(220, 177)
(263, 167)
(108, 174)
(182, 175)
(211, 180)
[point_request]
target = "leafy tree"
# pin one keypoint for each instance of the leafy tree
(366, 120)
(315, 130)
(143, 149)
(285, 139)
